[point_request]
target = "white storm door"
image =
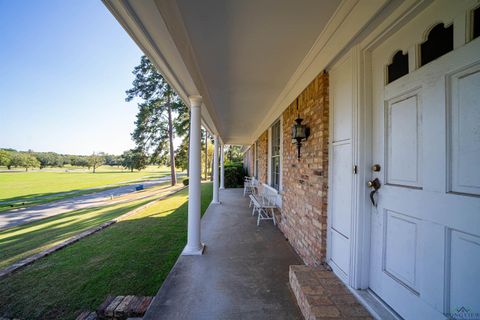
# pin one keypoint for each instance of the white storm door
(425, 230)
(341, 166)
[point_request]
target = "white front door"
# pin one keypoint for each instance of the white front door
(425, 229)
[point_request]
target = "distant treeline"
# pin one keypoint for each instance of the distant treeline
(11, 158)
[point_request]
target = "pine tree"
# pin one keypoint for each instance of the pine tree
(160, 108)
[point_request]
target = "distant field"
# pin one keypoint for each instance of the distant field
(30, 187)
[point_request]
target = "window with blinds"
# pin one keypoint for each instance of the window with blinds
(275, 160)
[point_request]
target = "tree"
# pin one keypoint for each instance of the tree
(66, 159)
(5, 159)
(134, 159)
(45, 159)
(127, 160)
(80, 161)
(24, 160)
(154, 128)
(209, 163)
(181, 154)
(113, 160)
(58, 160)
(96, 160)
(51, 159)
(234, 153)
(205, 152)
(182, 127)
(30, 162)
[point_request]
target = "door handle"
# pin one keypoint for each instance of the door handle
(375, 185)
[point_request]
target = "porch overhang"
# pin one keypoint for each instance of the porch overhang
(248, 59)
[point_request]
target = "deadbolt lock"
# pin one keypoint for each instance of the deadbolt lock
(376, 168)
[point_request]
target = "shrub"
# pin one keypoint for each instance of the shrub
(234, 175)
(185, 182)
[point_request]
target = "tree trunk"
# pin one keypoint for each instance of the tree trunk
(211, 171)
(170, 140)
(206, 154)
(94, 168)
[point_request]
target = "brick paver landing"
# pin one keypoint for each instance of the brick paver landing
(321, 295)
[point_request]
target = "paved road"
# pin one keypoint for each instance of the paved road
(21, 216)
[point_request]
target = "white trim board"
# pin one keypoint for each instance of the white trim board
(377, 308)
(269, 156)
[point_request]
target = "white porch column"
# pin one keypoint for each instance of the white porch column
(194, 246)
(222, 167)
(215, 171)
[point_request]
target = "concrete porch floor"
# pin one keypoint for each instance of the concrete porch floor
(243, 273)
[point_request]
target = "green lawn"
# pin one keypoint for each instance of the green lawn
(25, 240)
(45, 186)
(133, 256)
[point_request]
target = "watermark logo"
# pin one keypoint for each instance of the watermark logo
(463, 313)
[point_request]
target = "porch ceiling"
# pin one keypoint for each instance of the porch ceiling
(248, 59)
(246, 52)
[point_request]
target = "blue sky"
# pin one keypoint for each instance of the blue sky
(64, 69)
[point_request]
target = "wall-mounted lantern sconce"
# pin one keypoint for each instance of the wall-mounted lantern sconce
(300, 132)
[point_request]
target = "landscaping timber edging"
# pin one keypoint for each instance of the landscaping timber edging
(7, 271)
(119, 308)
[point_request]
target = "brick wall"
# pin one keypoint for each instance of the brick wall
(262, 154)
(305, 182)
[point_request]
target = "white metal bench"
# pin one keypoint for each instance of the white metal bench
(255, 203)
(249, 185)
(264, 204)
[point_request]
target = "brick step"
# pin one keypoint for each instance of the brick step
(320, 295)
(119, 308)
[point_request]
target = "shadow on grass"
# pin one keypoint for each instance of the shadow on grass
(18, 242)
(133, 256)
